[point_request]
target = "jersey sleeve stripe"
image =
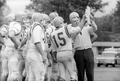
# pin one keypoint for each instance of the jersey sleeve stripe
(66, 30)
(35, 25)
(52, 42)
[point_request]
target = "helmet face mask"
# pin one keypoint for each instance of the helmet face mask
(26, 21)
(3, 30)
(3, 33)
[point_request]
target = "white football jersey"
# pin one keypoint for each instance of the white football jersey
(34, 38)
(61, 39)
(49, 29)
(8, 43)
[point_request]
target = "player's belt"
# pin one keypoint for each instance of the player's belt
(10, 47)
(79, 48)
(63, 50)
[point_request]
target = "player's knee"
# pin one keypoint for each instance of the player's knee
(46, 78)
(4, 74)
(52, 79)
(14, 77)
(13, 59)
(60, 79)
(24, 78)
(24, 73)
(40, 79)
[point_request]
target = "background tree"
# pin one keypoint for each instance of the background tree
(2, 4)
(116, 14)
(64, 7)
(107, 25)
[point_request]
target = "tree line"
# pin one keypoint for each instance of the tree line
(108, 26)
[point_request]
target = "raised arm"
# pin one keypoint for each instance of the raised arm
(83, 22)
(93, 24)
(92, 33)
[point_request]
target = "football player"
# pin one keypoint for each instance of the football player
(4, 56)
(62, 41)
(36, 56)
(15, 60)
(10, 54)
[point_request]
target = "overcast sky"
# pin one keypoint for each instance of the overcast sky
(108, 9)
(19, 6)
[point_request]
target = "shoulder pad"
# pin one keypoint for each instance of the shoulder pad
(34, 25)
(67, 32)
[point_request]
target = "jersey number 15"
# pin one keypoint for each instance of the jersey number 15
(60, 38)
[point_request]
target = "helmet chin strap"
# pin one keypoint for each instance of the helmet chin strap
(57, 27)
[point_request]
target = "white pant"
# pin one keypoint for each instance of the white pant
(14, 76)
(11, 64)
(5, 56)
(14, 67)
(66, 63)
(35, 68)
(4, 69)
(55, 71)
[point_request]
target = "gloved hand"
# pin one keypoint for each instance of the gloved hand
(45, 60)
(54, 56)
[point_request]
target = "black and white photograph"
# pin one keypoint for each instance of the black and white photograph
(59, 40)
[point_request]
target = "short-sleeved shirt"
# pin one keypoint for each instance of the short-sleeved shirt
(75, 34)
(83, 41)
(86, 37)
(73, 30)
